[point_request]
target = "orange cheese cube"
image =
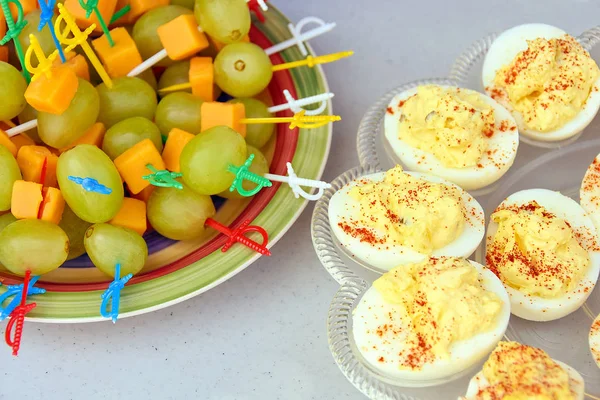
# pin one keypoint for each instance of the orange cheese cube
(173, 147)
(139, 7)
(53, 94)
(121, 58)
(52, 206)
(125, 19)
(144, 195)
(4, 53)
(228, 114)
(21, 140)
(132, 164)
(93, 136)
(77, 63)
(105, 7)
(219, 45)
(31, 161)
(2, 24)
(202, 78)
(181, 38)
(6, 142)
(132, 215)
(27, 5)
(26, 199)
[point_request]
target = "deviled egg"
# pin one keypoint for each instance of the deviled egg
(392, 218)
(458, 134)
(518, 371)
(544, 248)
(594, 339)
(589, 193)
(425, 323)
(545, 78)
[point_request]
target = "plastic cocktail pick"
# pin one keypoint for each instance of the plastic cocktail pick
(46, 15)
(17, 319)
(294, 182)
(91, 6)
(242, 173)
(163, 178)
(296, 105)
(16, 292)
(14, 30)
(311, 61)
(299, 120)
(238, 235)
(90, 185)
(117, 15)
(24, 127)
(114, 293)
(79, 39)
(256, 6)
(44, 63)
(299, 37)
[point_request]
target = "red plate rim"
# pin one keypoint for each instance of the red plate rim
(285, 149)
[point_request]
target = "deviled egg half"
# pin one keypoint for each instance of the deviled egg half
(426, 323)
(392, 218)
(589, 192)
(544, 248)
(545, 78)
(594, 339)
(518, 371)
(458, 134)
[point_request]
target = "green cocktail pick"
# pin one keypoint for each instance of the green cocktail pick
(163, 178)
(13, 32)
(242, 173)
(117, 15)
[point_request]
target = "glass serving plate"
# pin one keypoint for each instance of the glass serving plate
(561, 168)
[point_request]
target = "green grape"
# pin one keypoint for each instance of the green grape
(149, 77)
(61, 130)
(183, 3)
(179, 110)
(227, 21)
(33, 244)
(260, 166)
(243, 69)
(129, 97)
(144, 31)
(44, 37)
(6, 220)
(75, 229)
(125, 134)
(85, 161)
(179, 214)
(174, 75)
(108, 245)
(257, 135)
(12, 88)
(9, 173)
(204, 160)
(28, 114)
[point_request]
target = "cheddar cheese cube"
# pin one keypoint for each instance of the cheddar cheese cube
(132, 164)
(176, 141)
(93, 136)
(21, 140)
(53, 94)
(26, 199)
(125, 19)
(77, 63)
(219, 45)
(27, 5)
(132, 215)
(6, 142)
(38, 164)
(139, 7)
(121, 58)
(181, 38)
(228, 114)
(105, 7)
(144, 195)
(52, 206)
(202, 78)
(4, 53)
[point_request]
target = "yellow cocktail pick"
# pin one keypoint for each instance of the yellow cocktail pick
(44, 63)
(79, 39)
(298, 120)
(309, 61)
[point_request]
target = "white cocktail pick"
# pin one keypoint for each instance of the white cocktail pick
(299, 37)
(294, 182)
(296, 105)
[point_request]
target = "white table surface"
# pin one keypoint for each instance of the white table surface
(261, 335)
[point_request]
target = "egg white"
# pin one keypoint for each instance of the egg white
(577, 384)
(388, 255)
(502, 146)
(372, 310)
(535, 308)
(594, 341)
(503, 51)
(589, 193)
